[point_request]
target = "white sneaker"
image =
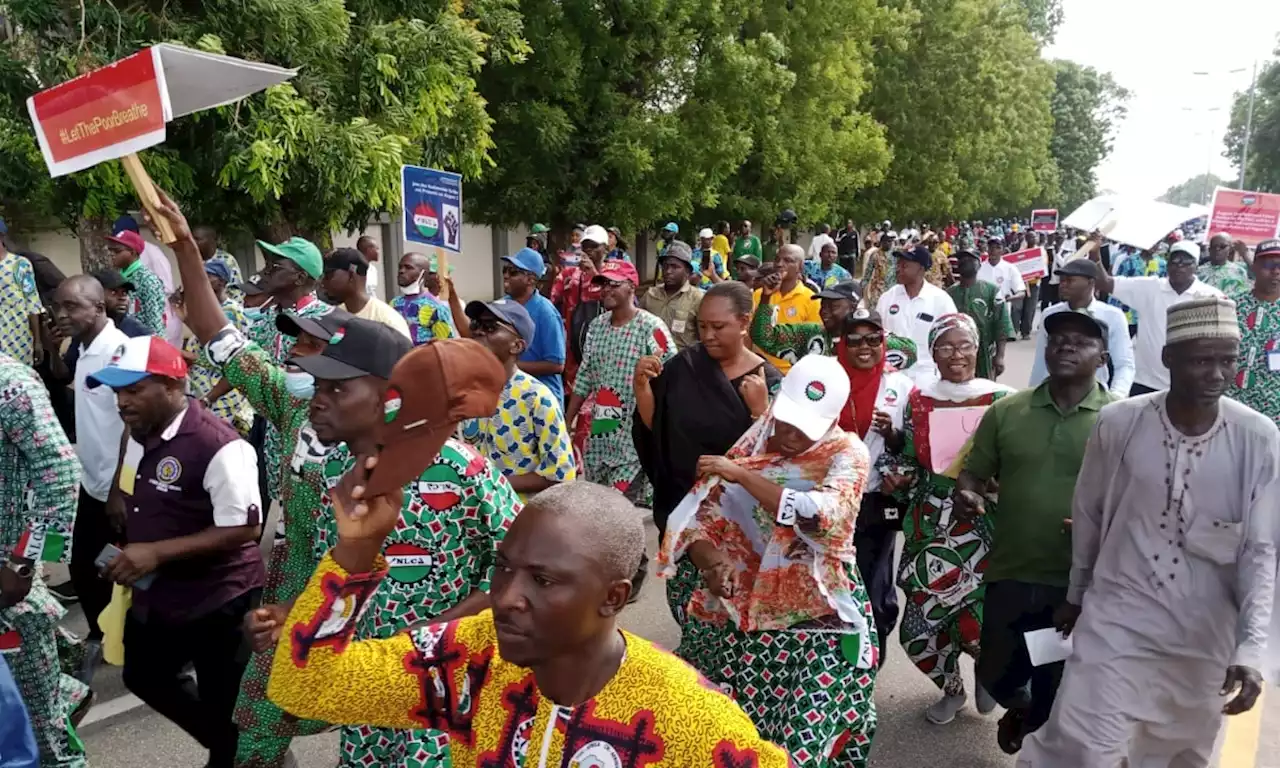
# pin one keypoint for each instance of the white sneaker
(944, 711)
(983, 701)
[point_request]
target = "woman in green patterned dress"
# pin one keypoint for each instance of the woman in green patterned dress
(943, 557)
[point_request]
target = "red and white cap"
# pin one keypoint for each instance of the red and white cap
(138, 358)
(812, 395)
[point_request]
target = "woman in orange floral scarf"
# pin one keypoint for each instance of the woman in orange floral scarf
(763, 577)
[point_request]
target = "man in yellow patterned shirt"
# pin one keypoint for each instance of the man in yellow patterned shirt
(526, 439)
(545, 678)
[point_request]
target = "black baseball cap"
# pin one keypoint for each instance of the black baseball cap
(1079, 268)
(966, 253)
(359, 348)
(290, 323)
(862, 316)
(846, 290)
(1075, 318)
(748, 259)
(919, 255)
(112, 280)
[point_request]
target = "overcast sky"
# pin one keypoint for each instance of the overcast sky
(1152, 47)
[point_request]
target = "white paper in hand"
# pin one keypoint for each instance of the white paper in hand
(1045, 646)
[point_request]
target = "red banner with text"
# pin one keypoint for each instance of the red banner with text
(1248, 216)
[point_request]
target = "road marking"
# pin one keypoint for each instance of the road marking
(109, 709)
(1240, 744)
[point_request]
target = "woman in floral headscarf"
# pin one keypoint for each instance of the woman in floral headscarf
(763, 576)
(942, 557)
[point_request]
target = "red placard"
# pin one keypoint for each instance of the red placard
(1249, 216)
(105, 114)
(1044, 220)
(1030, 262)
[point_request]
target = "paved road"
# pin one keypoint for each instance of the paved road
(119, 733)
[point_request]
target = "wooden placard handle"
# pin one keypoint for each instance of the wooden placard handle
(146, 190)
(442, 264)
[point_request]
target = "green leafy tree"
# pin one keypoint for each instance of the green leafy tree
(1087, 107)
(814, 146)
(1264, 138)
(969, 131)
(1197, 189)
(381, 83)
(624, 113)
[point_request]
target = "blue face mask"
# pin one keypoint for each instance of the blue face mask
(253, 313)
(300, 384)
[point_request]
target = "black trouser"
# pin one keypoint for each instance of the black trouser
(257, 439)
(93, 531)
(1048, 295)
(1029, 310)
(873, 540)
(1139, 389)
(1004, 668)
(215, 645)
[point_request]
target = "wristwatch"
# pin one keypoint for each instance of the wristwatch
(23, 570)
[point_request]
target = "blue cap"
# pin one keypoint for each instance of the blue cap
(218, 269)
(671, 227)
(508, 311)
(124, 223)
(529, 260)
(919, 255)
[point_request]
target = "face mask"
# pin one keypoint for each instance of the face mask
(253, 313)
(300, 384)
(412, 289)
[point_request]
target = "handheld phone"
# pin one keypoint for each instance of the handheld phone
(108, 554)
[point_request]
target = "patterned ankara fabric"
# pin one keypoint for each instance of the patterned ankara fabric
(19, 300)
(699, 279)
(39, 486)
(429, 319)
(826, 713)
(266, 730)
(527, 434)
(148, 302)
(279, 347)
(796, 645)
(443, 548)
(237, 277)
(825, 278)
(655, 712)
(1231, 278)
(1255, 384)
(943, 558)
(608, 368)
(880, 275)
(202, 375)
(981, 301)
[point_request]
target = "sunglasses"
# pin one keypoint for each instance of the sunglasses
(866, 339)
(487, 325)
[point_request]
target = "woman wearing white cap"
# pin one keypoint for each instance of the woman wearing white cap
(942, 557)
(764, 580)
(704, 278)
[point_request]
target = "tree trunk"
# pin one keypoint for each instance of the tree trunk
(92, 233)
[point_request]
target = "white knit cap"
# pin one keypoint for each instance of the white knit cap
(1207, 318)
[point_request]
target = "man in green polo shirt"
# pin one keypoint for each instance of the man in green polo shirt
(747, 244)
(1033, 443)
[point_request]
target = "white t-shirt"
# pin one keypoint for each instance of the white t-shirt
(1151, 298)
(912, 318)
(98, 424)
(892, 399)
(1006, 277)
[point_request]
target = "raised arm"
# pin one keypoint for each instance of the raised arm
(205, 317)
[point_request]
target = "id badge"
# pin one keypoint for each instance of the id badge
(891, 513)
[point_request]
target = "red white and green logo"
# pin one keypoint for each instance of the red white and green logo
(607, 415)
(407, 563)
(426, 220)
(51, 547)
(440, 487)
(338, 336)
(391, 405)
(815, 390)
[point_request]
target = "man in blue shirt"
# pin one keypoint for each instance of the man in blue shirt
(544, 358)
(1076, 289)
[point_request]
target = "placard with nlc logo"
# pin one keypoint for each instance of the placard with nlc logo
(1248, 216)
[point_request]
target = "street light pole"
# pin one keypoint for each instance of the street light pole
(1248, 127)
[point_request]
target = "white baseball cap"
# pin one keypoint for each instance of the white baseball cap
(812, 395)
(596, 234)
(1186, 246)
(706, 232)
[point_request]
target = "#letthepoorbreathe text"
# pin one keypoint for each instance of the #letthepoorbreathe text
(118, 118)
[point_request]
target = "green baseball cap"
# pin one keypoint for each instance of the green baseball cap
(300, 251)
(538, 229)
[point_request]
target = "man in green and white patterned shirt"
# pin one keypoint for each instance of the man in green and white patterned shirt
(148, 301)
(1230, 277)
